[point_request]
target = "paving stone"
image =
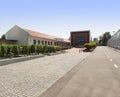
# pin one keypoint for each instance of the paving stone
(33, 77)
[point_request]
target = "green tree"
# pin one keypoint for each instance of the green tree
(95, 40)
(3, 36)
(106, 37)
(100, 40)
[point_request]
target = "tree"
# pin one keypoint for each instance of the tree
(3, 36)
(104, 38)
(100, 40)
(95, 40)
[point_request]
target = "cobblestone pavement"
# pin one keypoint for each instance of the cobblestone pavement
(33, 77)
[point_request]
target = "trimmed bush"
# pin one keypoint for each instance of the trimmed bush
(89, 46)
(32, 49)
(2, 51)
(25, 50)
(65, 47)
(38, 49)
(16, 50)
(58, 48)
(8, 51)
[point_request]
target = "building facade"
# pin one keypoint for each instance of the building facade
(114, 41)
(25, 36)
(79, 38)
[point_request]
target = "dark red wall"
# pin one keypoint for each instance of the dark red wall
(75, 34)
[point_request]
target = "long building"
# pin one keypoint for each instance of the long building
(25, 36)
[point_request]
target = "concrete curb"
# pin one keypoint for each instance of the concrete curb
(25, 58)
(51, 54)
(15, 60)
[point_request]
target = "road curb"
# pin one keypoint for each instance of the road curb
(15, 60)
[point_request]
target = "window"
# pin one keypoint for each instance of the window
(80, 40)
(48, 43)
(51, 43)
(34, 41)
(38, 41)
(42, 42)
(55, 43)
(45, 42)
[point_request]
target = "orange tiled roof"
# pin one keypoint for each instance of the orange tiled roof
(40, 35)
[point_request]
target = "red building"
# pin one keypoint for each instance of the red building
(79, 38)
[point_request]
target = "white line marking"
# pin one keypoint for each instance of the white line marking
(111, 60)
(106, 54)
(116, 66)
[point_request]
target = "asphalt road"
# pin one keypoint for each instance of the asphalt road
(97, 76)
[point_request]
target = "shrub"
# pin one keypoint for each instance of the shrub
(65, 47)
(58, 48)
(53, 49)
(25, 49)
(32, 49)
(50, 50)
(93, 45)
(39, 49)
(46, 49)
(8, 51)
(14, 50)
(2, 51)
(89, 46)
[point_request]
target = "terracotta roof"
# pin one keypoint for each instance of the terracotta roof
(66, 40)
(45, 36)
(40, 35)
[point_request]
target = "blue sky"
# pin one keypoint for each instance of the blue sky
(59, 17)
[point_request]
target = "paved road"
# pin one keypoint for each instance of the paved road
(33, 77)
(97, 76)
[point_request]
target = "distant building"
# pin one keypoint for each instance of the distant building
(25, 36)
(79, 38)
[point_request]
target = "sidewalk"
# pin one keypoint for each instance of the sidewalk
(31, 78)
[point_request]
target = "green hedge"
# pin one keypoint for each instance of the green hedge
(66, 47)
(16, 50)
(89, 46)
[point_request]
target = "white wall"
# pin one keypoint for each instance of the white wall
(31, 38)
(16, 33)
(22, 37)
